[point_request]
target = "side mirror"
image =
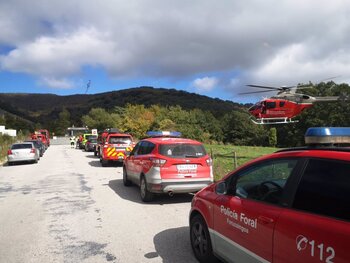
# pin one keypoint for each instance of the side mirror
(221, 188)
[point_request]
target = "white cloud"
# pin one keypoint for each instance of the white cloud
(205, 84)
(294, 41)
(56, 83)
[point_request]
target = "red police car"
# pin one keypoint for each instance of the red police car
(290, 206)
(166, 163)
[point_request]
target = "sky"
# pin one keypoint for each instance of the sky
(210, 47)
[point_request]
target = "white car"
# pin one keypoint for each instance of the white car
(22, 152)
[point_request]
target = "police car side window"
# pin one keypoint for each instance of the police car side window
(265, 182)
(135, 150)
(325, 189)
(145, 148)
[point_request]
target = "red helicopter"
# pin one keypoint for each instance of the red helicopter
(286, 105)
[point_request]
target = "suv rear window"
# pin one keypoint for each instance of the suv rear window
(182, 150)
(325, 189)
(119, 140)
(21, 146)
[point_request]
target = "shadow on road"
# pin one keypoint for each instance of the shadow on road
(132, 193)
(173, 245)
(92, 156)
(97, 163)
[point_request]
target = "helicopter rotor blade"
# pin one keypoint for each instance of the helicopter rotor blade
(324, 80)
(252, 92)
(263, 87)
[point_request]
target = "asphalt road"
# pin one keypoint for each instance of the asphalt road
(67, 208)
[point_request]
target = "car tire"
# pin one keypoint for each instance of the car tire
(146, 195)
(126, 182)
(200, 240)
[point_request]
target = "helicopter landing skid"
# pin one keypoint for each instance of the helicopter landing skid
(273, 120)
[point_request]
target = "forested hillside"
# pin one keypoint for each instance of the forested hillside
(140, 109)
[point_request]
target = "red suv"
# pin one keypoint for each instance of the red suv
(290, 206)
(168, 164)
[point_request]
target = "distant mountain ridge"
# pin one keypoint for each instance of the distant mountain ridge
(46, 107)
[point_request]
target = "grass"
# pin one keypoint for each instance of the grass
(5, 143)
(223, 156)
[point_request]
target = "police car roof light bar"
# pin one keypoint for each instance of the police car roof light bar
(328, 135)
(163, 134)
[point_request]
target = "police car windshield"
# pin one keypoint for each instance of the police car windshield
(120, 140)
(183, 150)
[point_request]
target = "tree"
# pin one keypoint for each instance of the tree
(63, 122)
(137, 120)
(273, 137)
(100, 119)
(239, 130)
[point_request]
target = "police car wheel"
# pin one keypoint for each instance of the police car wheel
(146, 196)
(200, 240)
(126, 182)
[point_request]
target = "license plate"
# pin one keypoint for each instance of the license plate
(186, 167)
(120, 148)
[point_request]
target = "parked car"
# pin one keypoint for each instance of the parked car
(85, 138)
(90, 144)
(39, 145)
(47, 135)
(289, 206)
(22, 152)
(41, 137)
(167, 163)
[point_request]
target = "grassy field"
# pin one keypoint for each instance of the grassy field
(5, 143)
(223, 156)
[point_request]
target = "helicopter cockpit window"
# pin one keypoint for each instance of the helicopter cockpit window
(282, 103)
(255, 106)
(270, 104)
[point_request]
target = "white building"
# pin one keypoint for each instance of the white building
(10, 132)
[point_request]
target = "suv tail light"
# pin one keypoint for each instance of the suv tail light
(32, 150)
(209, 161)
(9, 152)
(158, 162)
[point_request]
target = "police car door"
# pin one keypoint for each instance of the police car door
(244, 220)
(316, 227)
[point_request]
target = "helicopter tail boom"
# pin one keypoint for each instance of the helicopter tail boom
(329, 98)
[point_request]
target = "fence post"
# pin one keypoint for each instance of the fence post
(234, 160)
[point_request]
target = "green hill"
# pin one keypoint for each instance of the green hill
(43, 108)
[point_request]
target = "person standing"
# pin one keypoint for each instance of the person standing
(72, 142)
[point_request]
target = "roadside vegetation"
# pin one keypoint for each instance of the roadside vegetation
(5, 143)
(224, 156)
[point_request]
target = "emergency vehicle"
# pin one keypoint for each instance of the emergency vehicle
(289, 206)
(114, 146)
(165, 163)
(101, 138)
(42, 137)
(47, 135)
